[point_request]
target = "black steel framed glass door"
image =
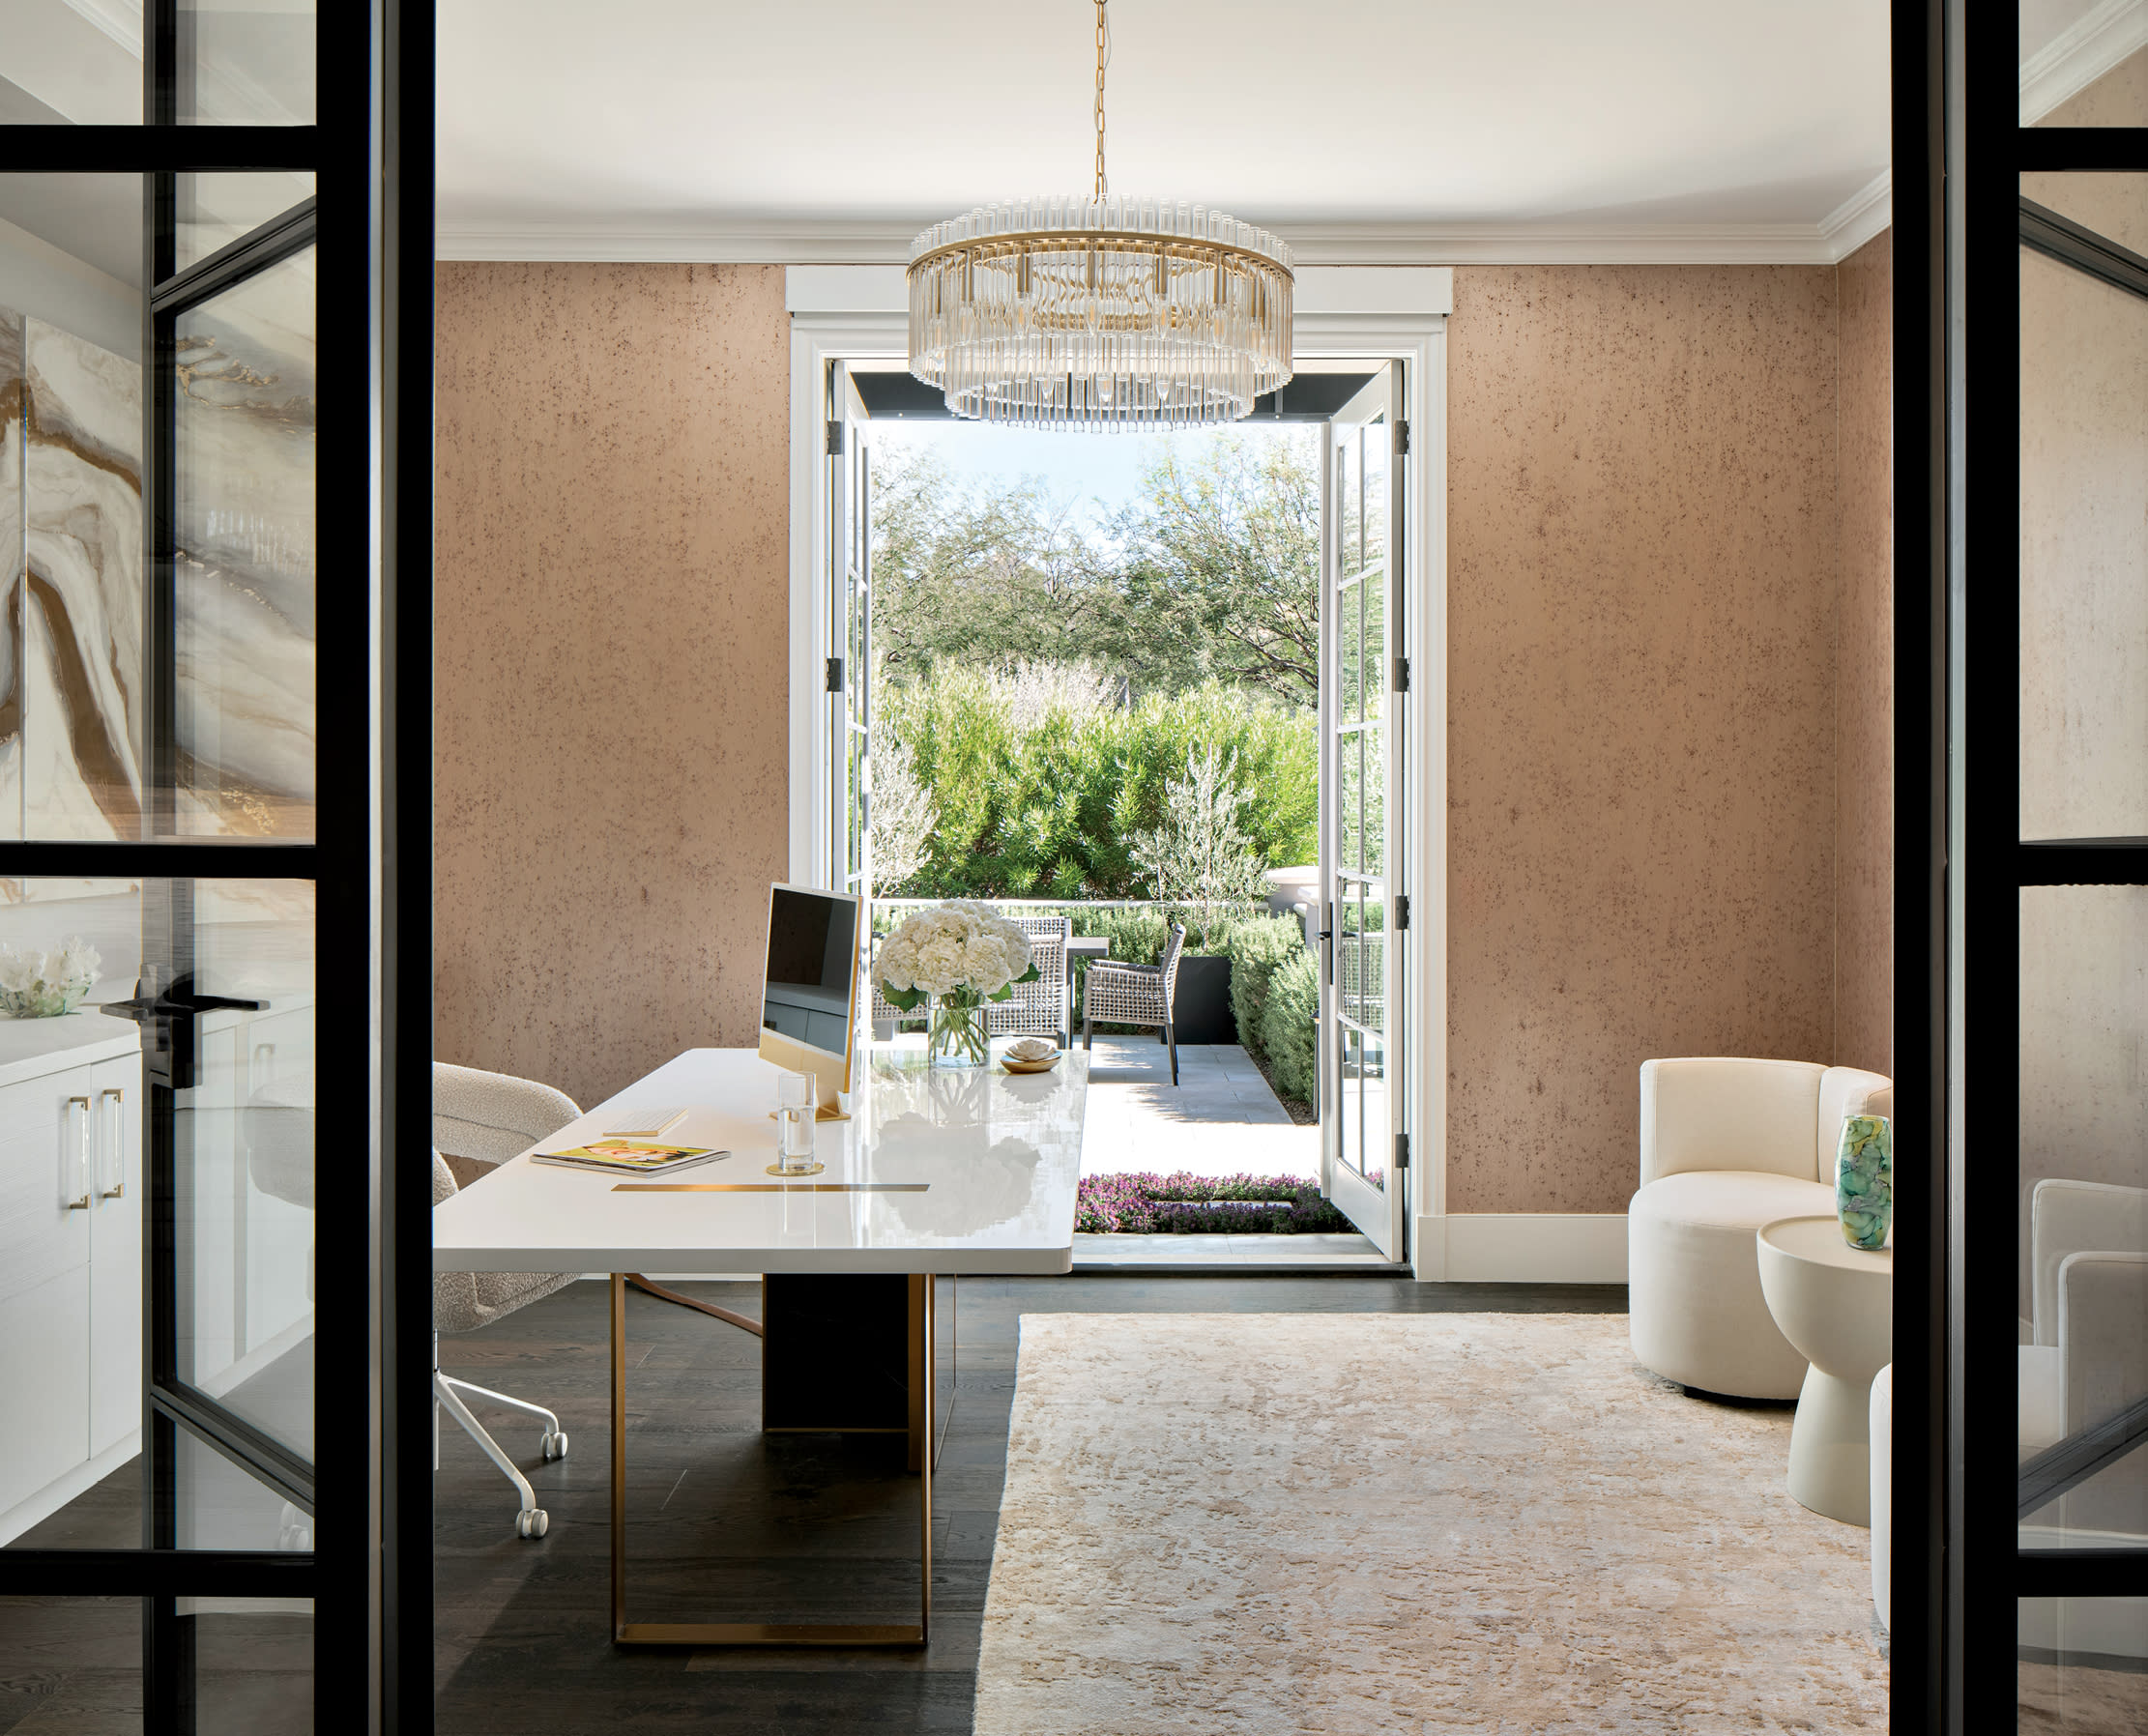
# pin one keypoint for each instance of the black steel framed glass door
(2020, 1453)
(216, 744)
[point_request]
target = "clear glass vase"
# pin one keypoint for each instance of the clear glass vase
(958, 1036)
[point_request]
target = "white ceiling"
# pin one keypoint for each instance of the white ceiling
(837, 128)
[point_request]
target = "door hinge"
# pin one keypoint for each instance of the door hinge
(1402, 440)
(1402, 675)
(1402, 1152)
(835, 675)
(834, 440)
(1402, 911)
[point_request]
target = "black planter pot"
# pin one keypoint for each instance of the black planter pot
(1203, 1001)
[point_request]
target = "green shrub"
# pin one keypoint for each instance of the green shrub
(1041, 796)
(1260, 946)
(1289, 1026)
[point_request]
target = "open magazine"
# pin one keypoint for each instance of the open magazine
(629, 1157)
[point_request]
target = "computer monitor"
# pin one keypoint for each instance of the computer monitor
(809, 990)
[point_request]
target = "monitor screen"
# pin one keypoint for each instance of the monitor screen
(812, 954)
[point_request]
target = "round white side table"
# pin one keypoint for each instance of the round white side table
(1834, 1303)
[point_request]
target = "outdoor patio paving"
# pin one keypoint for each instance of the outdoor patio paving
(1220, 1119)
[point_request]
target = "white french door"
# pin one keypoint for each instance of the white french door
(1363, 693)
(849, 668)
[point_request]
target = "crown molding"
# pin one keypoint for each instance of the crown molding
(1844, 229)
(2080, 54)
(1860, 216)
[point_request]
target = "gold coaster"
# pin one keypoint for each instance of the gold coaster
(787, 1175)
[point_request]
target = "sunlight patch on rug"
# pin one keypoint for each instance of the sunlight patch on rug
(1355, 1522)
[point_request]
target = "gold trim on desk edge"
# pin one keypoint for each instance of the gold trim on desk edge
(771, 1187)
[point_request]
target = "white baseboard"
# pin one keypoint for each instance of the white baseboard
(1522, 1248)
(68, 1487)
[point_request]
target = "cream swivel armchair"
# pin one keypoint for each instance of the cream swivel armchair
(2084, 1362)
(489, 1118)
(1727, 1146)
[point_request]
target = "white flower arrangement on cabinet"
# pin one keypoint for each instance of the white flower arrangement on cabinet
(43, 985)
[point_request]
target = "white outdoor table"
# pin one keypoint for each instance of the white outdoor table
(938, 1173)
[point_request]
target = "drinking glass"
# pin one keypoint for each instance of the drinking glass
(794, 1122)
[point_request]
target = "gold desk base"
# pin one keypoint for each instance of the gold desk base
(715, 1634)
(923, 1449)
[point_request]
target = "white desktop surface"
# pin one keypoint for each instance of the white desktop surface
(1000, 1154)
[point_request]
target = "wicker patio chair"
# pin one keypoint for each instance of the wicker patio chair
(1044, 1007)
(1137, 995)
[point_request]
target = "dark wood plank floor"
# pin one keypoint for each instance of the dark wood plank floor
(726, 1523)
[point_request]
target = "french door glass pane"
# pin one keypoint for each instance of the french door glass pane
(72, 1208)
(62, 63)
(1349, 505)
(1374, 739)
(1350, 1099)
(72, 612)
(214, 210)
(2114, 206)
(2081, 1278)
(245, 579)
(2084, 549)
(254, 1664)
(1350, 785)
(74, 1662)
(1350, 655)
(2080, 1669)
(251, 63)
(2068, 77)
(244, 1141)
(1376, 441)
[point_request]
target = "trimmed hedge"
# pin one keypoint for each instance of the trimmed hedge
(1260, 947)
(1146, 1204)
(1289, 1026)
(1047, 805)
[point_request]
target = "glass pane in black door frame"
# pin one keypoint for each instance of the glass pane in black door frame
(249, 1546)
(2040, 1390)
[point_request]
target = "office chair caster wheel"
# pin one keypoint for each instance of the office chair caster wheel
(552, 1444)
(531, 1522)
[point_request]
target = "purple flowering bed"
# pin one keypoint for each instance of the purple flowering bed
(1151, 1205)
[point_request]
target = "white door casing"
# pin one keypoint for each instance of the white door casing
(1344, 313)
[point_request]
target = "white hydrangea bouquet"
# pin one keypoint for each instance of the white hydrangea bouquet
(43, 985)
(962, 954)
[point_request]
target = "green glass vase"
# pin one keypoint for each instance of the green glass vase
(1865, 1180)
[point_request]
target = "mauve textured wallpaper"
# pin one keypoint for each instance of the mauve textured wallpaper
(1863, 667)
(1642, 702)
(611, 614)
(1667, 609)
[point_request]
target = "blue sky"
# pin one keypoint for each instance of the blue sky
(1100, 472)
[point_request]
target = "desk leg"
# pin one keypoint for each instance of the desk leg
(762, 1633)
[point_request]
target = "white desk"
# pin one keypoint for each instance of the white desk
(938, 1173)
(996, 1154)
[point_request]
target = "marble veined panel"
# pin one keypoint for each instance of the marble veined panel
(245, 571)
(82, 614)
(10, 574)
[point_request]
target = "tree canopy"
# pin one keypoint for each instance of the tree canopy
(1210, 573)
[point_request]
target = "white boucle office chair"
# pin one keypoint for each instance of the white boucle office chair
(489, 1118)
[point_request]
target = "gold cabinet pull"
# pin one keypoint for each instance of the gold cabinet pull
(82, 1161)
(116, 1096)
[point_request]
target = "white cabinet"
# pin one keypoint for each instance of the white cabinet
(71, 1261)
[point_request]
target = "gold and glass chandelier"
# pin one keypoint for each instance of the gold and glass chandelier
(1104, 312)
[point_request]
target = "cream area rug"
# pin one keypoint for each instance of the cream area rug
(1421, 1523)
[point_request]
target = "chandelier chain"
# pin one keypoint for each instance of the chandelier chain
(1103, 59)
